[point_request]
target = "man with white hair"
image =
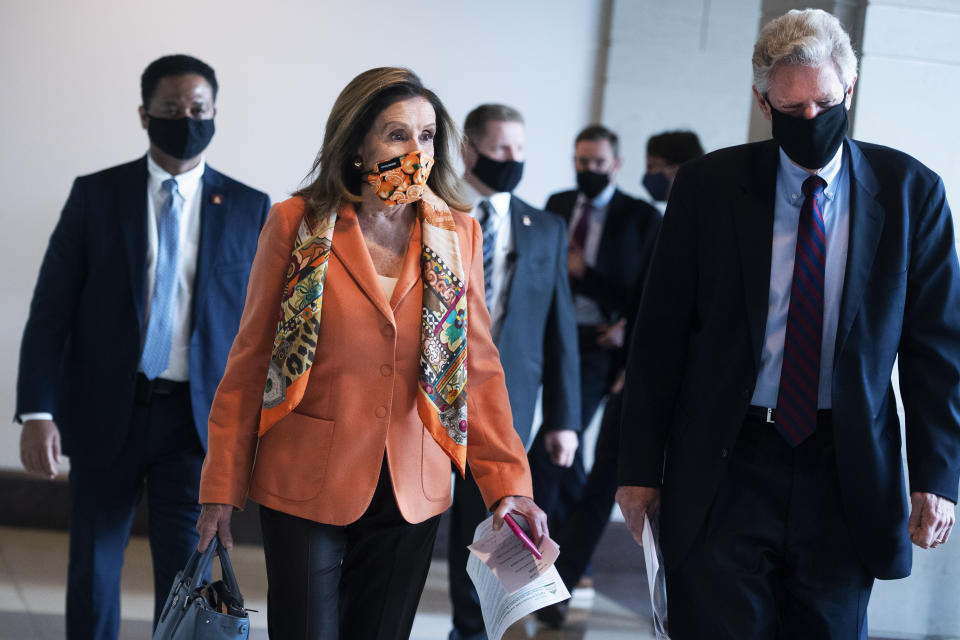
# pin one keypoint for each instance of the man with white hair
(758, 411)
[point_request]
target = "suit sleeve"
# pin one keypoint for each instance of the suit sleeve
(55, 298)
(929, 352)
(495, 454)
(235, 414)
(613, 291)
(561, 359)
(658, 346)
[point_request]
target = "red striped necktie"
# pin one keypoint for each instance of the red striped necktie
(800, 376)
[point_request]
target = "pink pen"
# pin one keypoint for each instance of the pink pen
(517, 531)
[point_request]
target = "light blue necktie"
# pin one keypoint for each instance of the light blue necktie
(156, 347)
(489, 223)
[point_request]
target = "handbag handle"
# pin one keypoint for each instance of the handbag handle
(199, 563)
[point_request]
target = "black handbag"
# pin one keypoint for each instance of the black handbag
(195, 611)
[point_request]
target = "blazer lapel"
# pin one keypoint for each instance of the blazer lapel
(866, 225)
(131, 206)
(351, 251)
(213, 226)
(753, 225)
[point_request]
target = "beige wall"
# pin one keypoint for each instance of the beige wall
(70, 76)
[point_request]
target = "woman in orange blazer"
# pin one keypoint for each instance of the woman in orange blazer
(365, 293)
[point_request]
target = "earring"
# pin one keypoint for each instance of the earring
(358, 163)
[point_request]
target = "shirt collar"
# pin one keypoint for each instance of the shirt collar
(603, 198)
(499, 201)
(792, 176)
(187, 182)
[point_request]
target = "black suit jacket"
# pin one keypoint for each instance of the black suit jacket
(626, 244)
(537, 339)
(81, 345)
(697, 345)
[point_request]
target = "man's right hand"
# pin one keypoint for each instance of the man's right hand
(40, 447)
(635, 502)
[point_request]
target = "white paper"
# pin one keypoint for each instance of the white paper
(508, 558)
(655, 580)
(540, 584)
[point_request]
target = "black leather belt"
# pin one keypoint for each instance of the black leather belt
(147, 389)
(769, 415)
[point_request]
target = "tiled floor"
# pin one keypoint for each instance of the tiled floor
(33, 566)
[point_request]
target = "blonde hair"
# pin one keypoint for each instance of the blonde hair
(334, 176)
(809, 37)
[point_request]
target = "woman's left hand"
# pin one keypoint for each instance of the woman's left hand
(527, 508)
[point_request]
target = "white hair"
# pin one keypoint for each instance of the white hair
(809, 37)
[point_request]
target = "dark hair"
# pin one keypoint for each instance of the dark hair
(676, 147)
(475, 126)
(599, 132)
(363, 99)
(175, 65)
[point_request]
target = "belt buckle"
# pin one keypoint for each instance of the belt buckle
(769, 419)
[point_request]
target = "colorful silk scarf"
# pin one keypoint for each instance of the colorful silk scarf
(442, 397)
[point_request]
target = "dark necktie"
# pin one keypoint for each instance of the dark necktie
(579, 239)
(800, 376)
(489, 224)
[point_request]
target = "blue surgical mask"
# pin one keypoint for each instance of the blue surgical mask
(657, 185)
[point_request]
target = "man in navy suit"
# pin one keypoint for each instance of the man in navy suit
(759, 413)
(136, 306)
(532, 322)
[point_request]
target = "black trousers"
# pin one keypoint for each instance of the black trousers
(161, 460)
(557, 489)
(775, 557)
(358, 582)
(467, 512)
(586, 522)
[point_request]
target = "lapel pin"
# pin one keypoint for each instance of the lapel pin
(216, 198)
(526, 221)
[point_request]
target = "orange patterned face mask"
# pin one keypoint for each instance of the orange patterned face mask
(401, 180)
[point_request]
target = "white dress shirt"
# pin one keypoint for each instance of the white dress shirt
(588, 311)
(189, 185)
(503, 248)
(835, 205)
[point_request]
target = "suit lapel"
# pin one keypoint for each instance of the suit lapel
(213, 226)
(520, 251)
(753, 226)
(131, 207)
(410, 274)
(351, 251)
(866, 225)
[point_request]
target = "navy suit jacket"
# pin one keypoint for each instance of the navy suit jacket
(700, 329)
(626, 244)
(81, 345)
(537, 339)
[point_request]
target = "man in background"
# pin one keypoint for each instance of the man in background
(136, 306)
(610, 240)
(532, 322)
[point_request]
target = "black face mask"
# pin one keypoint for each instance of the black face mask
(181, 137)
(811, 143)
(657, 185)
(592, 183)
(499, 175)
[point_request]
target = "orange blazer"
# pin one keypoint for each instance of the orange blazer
(322, 461)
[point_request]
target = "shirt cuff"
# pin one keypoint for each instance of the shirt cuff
(35, 416)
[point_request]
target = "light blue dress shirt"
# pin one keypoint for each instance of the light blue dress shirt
(835, 205)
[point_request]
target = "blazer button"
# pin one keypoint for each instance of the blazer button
(386, 370)
(387, 330)
(381, 412)
(723, 453)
